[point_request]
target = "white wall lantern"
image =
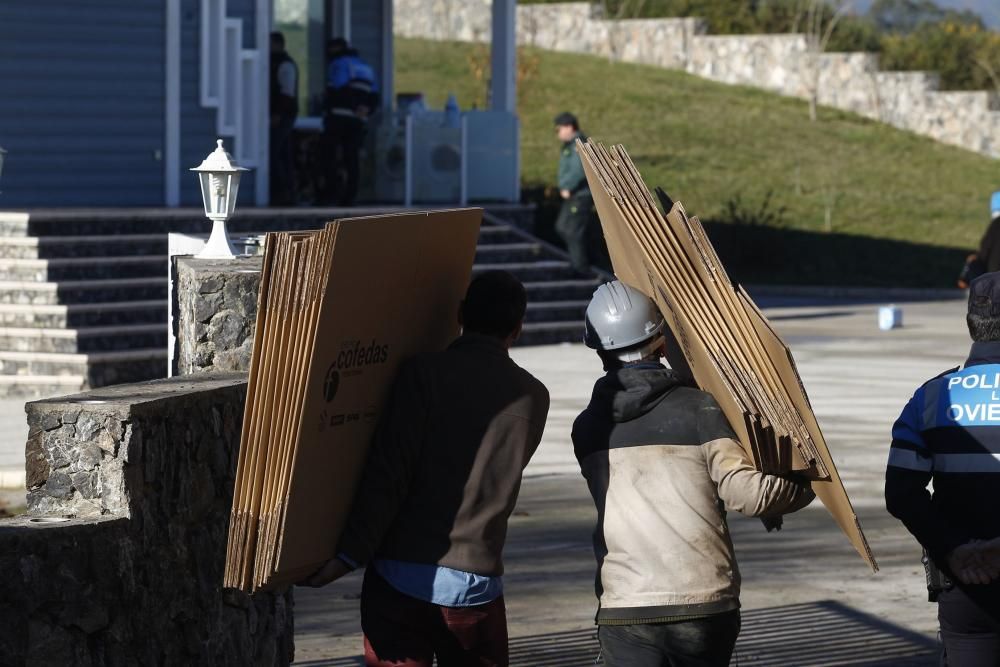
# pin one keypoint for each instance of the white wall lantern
(220, 183)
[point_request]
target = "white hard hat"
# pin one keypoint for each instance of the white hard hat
(620, 316)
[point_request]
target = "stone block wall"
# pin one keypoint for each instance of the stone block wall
(216, 309)
(779, 63)
(119, 559)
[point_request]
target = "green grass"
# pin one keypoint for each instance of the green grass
(707, 143)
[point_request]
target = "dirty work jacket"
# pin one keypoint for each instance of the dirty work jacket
(663, 466)
(949, 432)
(444, 468)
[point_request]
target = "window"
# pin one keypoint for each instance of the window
(303, 23)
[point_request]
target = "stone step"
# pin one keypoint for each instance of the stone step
(84, 314)
(113, 221)
(89, 339)
(83, 291)
(502, 253)
(40, 386)
(99, 368)
(561, 290)
(542, 270)
(557, 311)
(550, 333)
(93, 245)
(494, 234)
(83, 268)
(496, 238)
(45, 247)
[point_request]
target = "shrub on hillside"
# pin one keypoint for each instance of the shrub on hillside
(966, 55)
(911, 34)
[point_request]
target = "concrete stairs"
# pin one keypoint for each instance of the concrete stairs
(83, 295)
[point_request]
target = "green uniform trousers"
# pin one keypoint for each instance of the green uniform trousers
(576, 226)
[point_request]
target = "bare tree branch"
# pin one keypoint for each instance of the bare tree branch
(819, 32)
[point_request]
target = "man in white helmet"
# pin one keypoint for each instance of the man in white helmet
(663, 466)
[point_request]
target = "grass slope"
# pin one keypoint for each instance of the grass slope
(708, 143)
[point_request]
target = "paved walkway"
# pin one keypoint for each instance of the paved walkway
(808, 598)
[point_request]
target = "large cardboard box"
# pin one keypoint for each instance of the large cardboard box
(339, 310)
(726, 342)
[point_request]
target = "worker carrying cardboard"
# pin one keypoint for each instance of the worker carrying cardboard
(663, 466)
(441, 480)
(949, 433)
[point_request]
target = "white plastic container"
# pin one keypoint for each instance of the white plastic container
(890, 317)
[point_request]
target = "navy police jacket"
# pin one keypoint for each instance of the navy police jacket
(949, 432)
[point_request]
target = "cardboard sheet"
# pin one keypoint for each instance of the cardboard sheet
(339, 310)
(730, 348)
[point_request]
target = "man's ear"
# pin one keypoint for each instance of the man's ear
(512, 338)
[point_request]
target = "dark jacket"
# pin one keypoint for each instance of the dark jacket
(571, 175)
(663, 465)
(284, 106)
(949, 433)
(989, 247)
(444, 469)
(350, 84)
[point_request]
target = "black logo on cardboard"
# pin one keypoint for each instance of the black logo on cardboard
(355, 354)
(331, 383)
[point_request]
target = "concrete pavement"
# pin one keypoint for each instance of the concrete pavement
(808, 598)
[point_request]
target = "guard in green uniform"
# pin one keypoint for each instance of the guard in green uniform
(575, 223)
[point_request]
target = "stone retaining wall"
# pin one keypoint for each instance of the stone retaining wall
(119, 559)
(780, 63)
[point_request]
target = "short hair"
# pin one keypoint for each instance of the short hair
(336, 45)
(278, 37)
(494, 304)
(566, 118)
(983, 329)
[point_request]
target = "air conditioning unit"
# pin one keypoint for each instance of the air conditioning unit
(437, 163)
(390, 160)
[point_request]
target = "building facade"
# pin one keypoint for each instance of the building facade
(109, 103)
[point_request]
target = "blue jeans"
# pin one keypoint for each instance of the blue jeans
(703, 642)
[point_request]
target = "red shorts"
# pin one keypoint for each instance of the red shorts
(402, 631)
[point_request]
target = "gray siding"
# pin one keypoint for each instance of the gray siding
(81, 102)
(198, 124)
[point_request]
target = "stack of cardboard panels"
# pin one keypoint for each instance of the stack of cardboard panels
(339, 309)
(730, 347)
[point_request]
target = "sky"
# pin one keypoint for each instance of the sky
(988, 9)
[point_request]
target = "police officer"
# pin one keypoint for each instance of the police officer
(949, 433)
(663, 465)
(351, 96)
(576, 223)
